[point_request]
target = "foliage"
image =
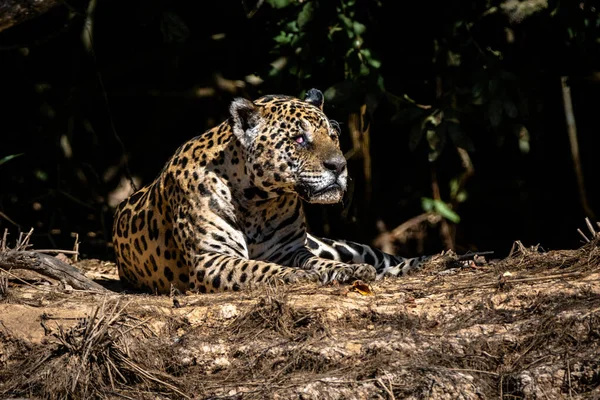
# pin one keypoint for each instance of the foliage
(433, 83)
(9, 157)
(331, 36)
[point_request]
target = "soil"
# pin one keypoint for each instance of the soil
(527, 326)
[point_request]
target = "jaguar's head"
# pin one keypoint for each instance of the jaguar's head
(290, 145)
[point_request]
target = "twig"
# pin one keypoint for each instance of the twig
(544, 393)
(6, 217)
(539, 278)
(464, 177)
(592, 230)
(76, 247)
(24, 281)
(385, 238)
(445, 233)
(595, 310)
(3, 286)
(151, 377)
(4, 235)
(419, 219)
(569, 378)
(121, 395)
(468, 256)
(583, 235)
(572, 132)
(590, 227)
(27, 238)
(526, 367)
(388, 391)
(472, 370)
(250, 13)
(55, 251)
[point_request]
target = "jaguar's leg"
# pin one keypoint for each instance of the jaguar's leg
(356, 253)
(216, 272)
(217, 258)
(330, 270)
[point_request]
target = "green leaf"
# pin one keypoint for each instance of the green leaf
(427, 204)
(279, 3)
(445, 211)
(306, 15)
(347, 21)
(453, 187)
(359, 28)
(41, 175)
(374, 63)
(456, 192)
(333, 30)
(283, 38)
(9, 157)
(292, 26)
(364, 70)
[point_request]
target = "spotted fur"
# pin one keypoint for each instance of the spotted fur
(225, 212)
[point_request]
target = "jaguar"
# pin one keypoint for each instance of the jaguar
(226, 210)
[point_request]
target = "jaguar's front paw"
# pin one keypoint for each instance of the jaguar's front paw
(365, 272)
(350, 272)
(301, 276)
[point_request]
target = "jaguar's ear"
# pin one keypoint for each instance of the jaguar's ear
(314, 97)
(245, 115)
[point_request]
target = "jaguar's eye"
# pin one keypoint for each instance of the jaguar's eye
(300, 139)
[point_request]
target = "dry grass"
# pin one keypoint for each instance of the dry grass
(524, 327)
(92, 359)
(273, 314)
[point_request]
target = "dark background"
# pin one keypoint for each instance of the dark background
(94, 92)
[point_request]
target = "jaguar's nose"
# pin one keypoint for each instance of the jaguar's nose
(335, 164)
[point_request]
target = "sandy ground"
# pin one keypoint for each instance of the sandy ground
(524, 327)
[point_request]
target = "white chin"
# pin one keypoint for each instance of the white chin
(328, 197)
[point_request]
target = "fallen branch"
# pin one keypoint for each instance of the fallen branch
(48, 266)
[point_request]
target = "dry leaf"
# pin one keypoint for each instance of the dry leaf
(362, 288)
